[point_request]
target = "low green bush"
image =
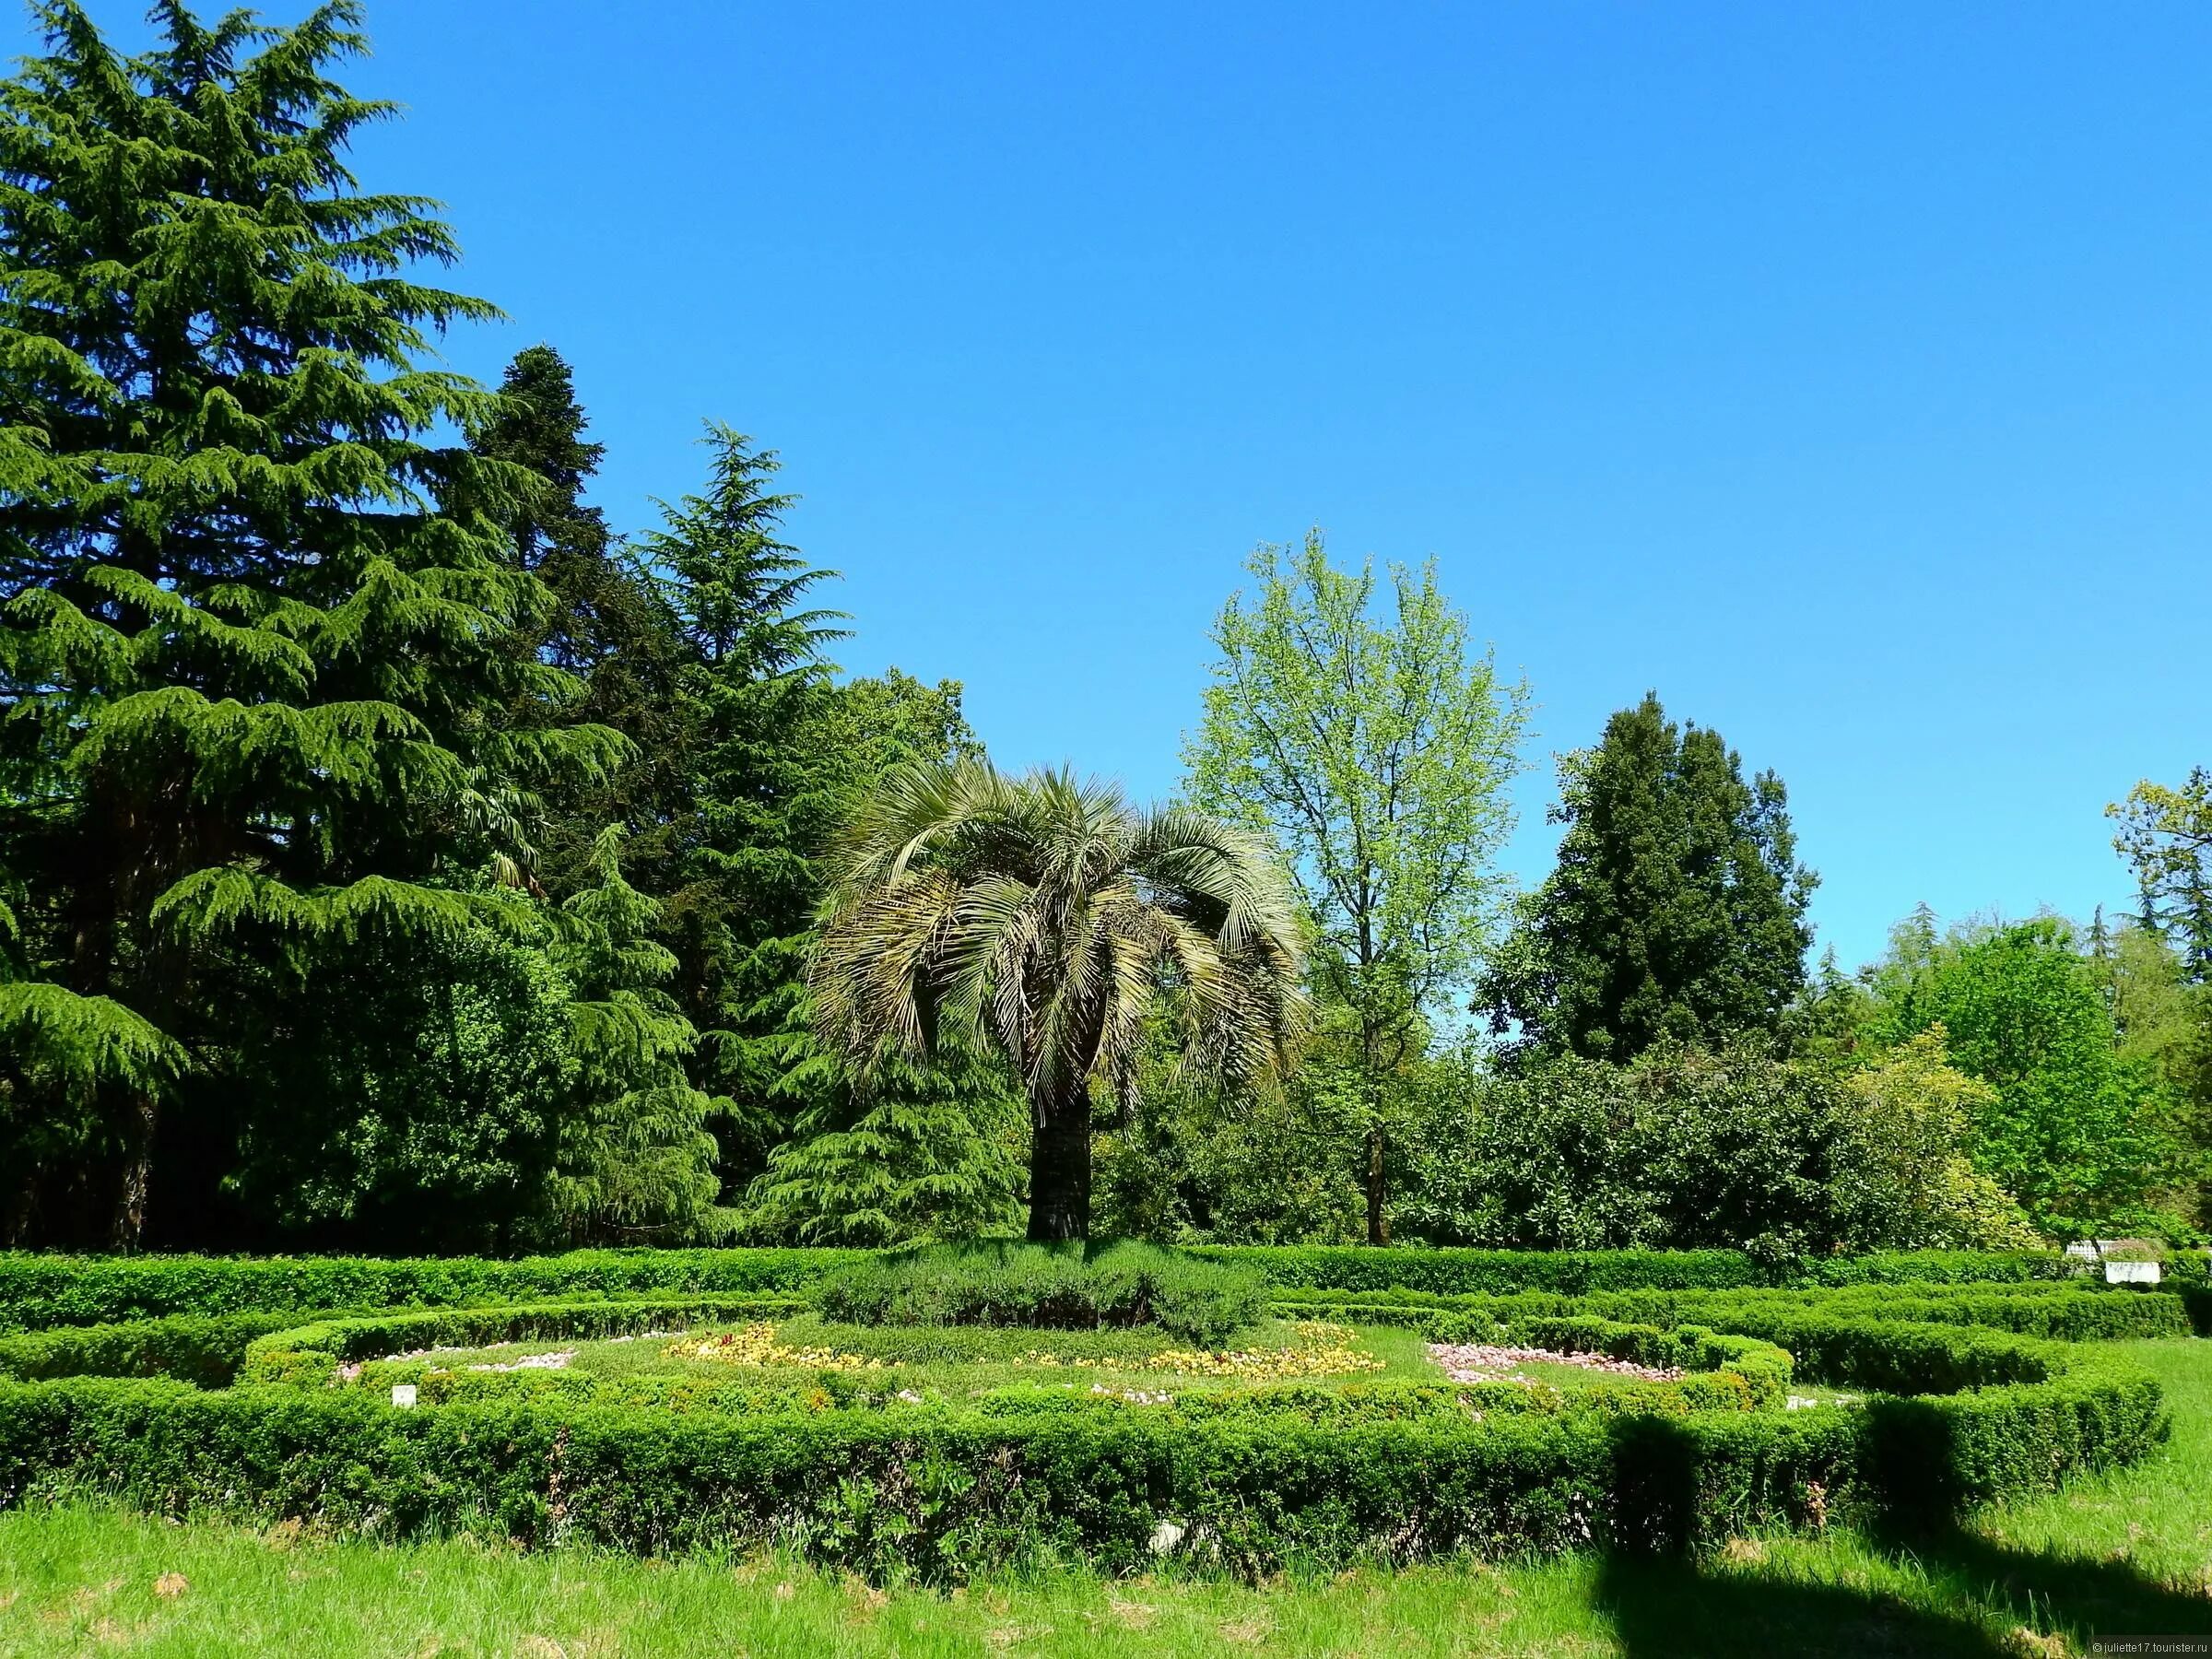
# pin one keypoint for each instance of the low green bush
(38, 1291)
(312, 1353)
(942, 1490)
(203, 1350)
(1244, 1478)
(1048, 1287)
(1577, 1273)
(2067, 1312)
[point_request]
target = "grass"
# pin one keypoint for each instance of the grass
(958, 1361)
(2132, 1553)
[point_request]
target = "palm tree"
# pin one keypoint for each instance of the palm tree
(1045, 920)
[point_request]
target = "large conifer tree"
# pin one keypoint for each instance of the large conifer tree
(256, 624)
(741, 818)
(1676, 910)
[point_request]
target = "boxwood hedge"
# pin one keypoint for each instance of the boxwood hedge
(1246, 1479)
(41, 1290)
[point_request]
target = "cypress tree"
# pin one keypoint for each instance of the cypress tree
(1676, 912)
(254, 623)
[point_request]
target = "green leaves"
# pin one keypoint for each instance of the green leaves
(1043, 921)
(254, 621)
(1676, 908)
(1376, 753)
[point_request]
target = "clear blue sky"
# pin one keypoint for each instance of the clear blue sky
(1841, 372)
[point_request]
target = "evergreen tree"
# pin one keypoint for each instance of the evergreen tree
(253, 622)
(755, 799)
(603, 623)
(918, 1151)
(1676, 912)
(636, 1158)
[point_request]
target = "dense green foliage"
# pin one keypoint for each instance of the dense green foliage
(1241, 1479)
(2090, 1132)
(41, 1290)
(1677, 911)
(1686, 1148)
(253, 616)
(396, 855)
(1052, 1286)
(1377, 756)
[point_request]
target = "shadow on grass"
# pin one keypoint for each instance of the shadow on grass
(1978, 1592)
(1970, 1592)
(1672, 1609)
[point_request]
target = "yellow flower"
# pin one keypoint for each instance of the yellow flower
(757, 1344)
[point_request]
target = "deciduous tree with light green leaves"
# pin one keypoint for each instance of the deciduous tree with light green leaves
(1352, 719)
(2166, 833)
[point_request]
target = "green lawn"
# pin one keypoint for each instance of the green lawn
(2132, 1554)
(955, 1361)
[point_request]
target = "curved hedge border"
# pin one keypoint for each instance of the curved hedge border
(38, 1291)
(1245, 1480)
(313, 1353)
(2064, 1312)
(1726, 1373)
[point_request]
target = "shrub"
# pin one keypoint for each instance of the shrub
(2064, 1312)
(203, 1350)
(941, 1490)
(1577, 1273)
(312, 1352)
(1252, 1475)
(40, 1290)
(1048, 1287)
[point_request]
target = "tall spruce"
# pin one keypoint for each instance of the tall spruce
(1676, 911)
(603, 623)
(254, 621)
(755, 800)
(636, 1159)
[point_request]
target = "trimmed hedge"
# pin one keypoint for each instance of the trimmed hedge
(38, 1290)
(942, 1491)
(1248, 1479)
(1040, 1286)
(2067, 1312)
(1969, 1400)
(206, 1351)
(313, 1353)
(1577, 1273)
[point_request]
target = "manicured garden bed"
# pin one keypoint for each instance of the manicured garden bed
(1327, 1429)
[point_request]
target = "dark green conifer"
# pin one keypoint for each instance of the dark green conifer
(1676, 908)
(254, 619)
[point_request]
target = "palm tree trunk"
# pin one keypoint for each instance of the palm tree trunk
(1060, 1170)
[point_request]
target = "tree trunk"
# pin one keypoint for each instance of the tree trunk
(1060, 1170)
(137, 1173)
(1378, 1219)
